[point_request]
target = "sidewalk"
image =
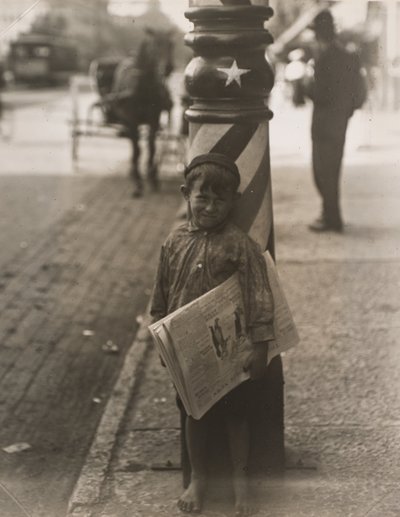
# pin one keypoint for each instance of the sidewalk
(342, 408)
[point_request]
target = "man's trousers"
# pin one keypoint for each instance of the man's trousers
(328, 139)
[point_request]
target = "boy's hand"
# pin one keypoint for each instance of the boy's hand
(257, 361)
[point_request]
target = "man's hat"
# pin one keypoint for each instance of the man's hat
(323, 23)
(216, 158)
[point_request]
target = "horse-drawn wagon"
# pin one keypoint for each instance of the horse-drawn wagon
(133, 101)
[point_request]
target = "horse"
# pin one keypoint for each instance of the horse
(139, 95)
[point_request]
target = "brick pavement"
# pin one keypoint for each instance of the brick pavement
(91, 269)
(29, 204)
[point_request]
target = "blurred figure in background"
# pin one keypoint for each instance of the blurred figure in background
(295, 72)
(337, 88)
(395, 74)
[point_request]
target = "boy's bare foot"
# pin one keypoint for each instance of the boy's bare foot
(243, 506)
(192, 498)
(244, 509)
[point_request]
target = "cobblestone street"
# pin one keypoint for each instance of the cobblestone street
(90, 270)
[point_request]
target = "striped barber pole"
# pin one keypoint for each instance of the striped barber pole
(247, 145)
(228, 81)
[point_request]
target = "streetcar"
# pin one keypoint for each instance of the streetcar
(41, 59)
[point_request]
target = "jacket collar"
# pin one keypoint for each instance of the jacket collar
(192, 227)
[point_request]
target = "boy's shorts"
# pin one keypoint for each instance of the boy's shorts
(235, 404)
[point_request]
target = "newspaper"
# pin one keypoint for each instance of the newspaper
(286, 335)
(204, 344)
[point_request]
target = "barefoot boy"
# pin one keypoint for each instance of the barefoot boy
(195, 258)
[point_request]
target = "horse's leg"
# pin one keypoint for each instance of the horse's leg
(134, 171)
(152, 169)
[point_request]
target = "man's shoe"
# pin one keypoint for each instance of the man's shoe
(320, 226)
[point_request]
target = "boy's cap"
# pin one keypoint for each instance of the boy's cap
(218, 159)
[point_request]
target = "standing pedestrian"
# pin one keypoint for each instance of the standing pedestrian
(336, 89)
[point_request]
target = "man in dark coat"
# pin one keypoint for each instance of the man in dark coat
(333, 91)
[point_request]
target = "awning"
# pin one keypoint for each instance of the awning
(347, 14)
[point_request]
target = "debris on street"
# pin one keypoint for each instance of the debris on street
(110, 347)
(17, 447)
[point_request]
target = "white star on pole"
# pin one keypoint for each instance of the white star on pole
(233, 73)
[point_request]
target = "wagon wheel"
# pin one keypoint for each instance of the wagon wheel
(171, 151)
(74, 89)
(74, 142)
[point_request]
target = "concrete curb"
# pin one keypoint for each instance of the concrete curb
(87, 491)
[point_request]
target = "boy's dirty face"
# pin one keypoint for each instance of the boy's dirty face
(209, 208)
